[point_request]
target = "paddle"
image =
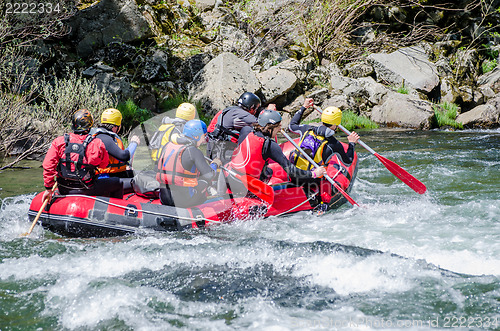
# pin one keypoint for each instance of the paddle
(396, 170)
(40, 211)
(254, 185)
(339, 189)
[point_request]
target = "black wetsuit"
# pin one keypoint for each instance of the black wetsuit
(232, 119)
(331, 147)
(123, 155)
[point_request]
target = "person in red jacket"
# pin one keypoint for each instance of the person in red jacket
(256, 146)
(73, 159)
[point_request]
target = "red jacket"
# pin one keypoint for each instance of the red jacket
(95, 155)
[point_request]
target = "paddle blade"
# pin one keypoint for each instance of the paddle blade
(402, 174)
(259, 188)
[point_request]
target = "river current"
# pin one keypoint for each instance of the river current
(402, 261)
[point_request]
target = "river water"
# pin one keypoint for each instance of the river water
(404, 261)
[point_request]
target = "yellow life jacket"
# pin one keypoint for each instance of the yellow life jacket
(313, 145)
(161, 137)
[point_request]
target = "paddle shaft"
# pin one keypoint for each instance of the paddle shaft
(347, 132)
(351, 200)
(44, 204)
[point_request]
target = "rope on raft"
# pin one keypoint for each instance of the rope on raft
(132, 210)
(177, 216)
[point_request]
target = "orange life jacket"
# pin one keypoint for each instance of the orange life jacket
(114, 165)
(170, 169)
(247, 157)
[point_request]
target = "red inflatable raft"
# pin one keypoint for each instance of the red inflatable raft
(91, 216)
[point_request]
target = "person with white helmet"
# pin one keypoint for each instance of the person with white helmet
(119, 156)
(183, 172)
(171, 129)
(256, 146)
(319, 141)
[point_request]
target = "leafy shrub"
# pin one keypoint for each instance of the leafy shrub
(64, 96)
(352, 121)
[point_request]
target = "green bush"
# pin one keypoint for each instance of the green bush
(132, 115)
(445, 114)
(64, 96)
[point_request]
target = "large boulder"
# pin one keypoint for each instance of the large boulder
(490, 80)
(276, 82)
(364, 89)
(402, 110)
(106, 22)
(409, 66)
(486, 115)
(221, 82)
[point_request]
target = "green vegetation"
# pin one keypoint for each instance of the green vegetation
(132, 115)
(445, 114)
(402, 89)
(488, 65)
(351, 121)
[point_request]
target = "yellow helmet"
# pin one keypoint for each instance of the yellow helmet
(331, 115)
(111, 116)
(186, 111)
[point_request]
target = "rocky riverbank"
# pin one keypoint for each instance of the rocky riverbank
(393, 62)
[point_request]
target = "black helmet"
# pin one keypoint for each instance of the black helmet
(268, 116)
(249, 101)
(82, 121)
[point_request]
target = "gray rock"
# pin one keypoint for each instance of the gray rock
(359, 69)
(106, 22)
(205, 5)
(409, 66)
(119, 87)
(221, 82)
(403, 111)
(276, 82)
(491, 80)
(486, 115)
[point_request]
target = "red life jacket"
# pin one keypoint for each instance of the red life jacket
(218, 132)
(170, 169)
(75, 173)
(247, 157)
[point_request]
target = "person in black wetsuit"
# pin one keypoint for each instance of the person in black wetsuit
(224, 129)
(119, 157)
(256, 146)
(183, 172)
(319, 141)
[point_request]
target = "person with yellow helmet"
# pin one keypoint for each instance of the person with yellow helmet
(171, 129)
(319, 141)
(73, 160)
(119, 156)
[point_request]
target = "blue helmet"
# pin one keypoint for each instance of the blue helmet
(194, 129)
